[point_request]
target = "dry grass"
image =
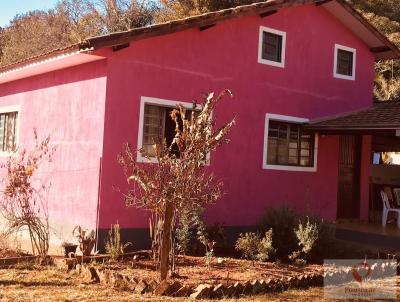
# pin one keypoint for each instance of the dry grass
(50, 284)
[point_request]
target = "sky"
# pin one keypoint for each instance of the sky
(10, 8)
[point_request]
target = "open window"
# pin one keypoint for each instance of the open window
(156, 125)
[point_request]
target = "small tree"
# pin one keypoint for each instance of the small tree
(178, 184)
(23, 202)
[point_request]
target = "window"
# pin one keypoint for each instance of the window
(157, 125)
(345, 62)
(8, 131)
(287, 146)
(272, 47)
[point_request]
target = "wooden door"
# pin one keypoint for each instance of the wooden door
(349, 177)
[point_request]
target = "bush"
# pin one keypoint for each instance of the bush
(307, 235)
(114, 246)
(282, 220)
(255, 248)
(286, 224)
(265, 248)
(247, 244)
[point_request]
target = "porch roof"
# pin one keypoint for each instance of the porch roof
(381, 117)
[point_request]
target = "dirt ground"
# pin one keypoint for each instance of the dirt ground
(193, 270)
(27, 283)
(50, 284)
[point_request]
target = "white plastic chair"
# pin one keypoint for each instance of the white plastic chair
(397, 195)
(387, 208)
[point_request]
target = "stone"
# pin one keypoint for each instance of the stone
(257, 287)
(184, 291)
(218, 291)
(246, 288)
(152, 285)
(238, 289)
(117, 281)
(202, 291)
(89, 274)
(166, 288)
(229, 291)
(104, 276)
(141, 287)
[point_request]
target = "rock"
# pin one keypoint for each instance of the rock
(202, 291)
(184, 291)
(238, 289)
(141, 287)
(152, 285)
(218, 291)
(117, 281)
(229, 291)
(104, 276)
(257, 287)
(220, 260)
(166, 288)
(246, 288)
(89, 274)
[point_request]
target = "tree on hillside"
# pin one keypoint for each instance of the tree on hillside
(71, 21)
(33, 33)
(385, 16)
(179, 183)
(178, 9)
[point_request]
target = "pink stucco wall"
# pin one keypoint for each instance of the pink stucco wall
(183, 65)
(68, 105)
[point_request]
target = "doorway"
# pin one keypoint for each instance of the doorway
(349, 177)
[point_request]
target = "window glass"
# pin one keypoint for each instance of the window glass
(289, 144)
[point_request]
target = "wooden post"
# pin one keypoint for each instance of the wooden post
(166, 240)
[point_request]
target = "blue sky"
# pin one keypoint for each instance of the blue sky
(9, 8)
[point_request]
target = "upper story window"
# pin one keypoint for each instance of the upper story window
(156, 124)
(271, 49)
(345, 62)
(287, 146)
(8, 129)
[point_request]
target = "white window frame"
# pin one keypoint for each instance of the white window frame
(289, 119)
(157, 102)
(260, 45)
(342, 76)
(9, 109)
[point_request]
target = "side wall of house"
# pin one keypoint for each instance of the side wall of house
(182, 66)
(68, 105)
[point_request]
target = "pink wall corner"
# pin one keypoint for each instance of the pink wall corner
(365, 177)
(68, 105)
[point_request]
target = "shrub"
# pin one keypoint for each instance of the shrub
(255, 248)
(114, 246)
(285, 221)
(307, 235)
(265, 248)
(282, 220)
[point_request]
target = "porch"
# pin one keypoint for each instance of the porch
(371, 234)
(367, 138)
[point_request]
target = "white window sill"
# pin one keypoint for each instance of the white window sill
(290, 168)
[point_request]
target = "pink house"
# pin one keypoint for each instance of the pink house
(288, 63)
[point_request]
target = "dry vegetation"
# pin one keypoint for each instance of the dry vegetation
(48, 284)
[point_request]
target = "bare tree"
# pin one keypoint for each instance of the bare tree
(179, 183)
(23, 203)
